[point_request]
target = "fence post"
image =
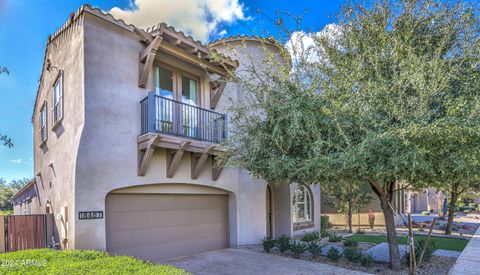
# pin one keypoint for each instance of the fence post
(151, 106)
(3, 243)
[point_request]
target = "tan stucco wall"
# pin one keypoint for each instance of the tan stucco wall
(55, 162)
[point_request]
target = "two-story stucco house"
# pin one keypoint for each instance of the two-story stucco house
(128, 124)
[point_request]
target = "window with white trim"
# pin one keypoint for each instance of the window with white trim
(301, 205)
(43, 133)
(57, 99)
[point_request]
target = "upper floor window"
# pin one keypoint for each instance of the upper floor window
(43, 124)
(177, 85)
(57, 99)
(301, 205)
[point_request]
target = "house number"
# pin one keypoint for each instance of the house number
(89, 215)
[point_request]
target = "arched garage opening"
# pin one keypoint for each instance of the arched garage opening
(163, 221)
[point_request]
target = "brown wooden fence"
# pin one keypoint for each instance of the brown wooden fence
(25, 232)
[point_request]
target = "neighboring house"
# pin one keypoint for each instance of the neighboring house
(128, 124)
(25, 201)
(426, 200)
(361, 218)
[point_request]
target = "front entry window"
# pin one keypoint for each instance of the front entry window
(301, 205)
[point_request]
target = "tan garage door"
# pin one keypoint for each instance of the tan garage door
(163, 226)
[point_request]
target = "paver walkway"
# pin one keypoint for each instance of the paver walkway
(380, 252)
(240, 261)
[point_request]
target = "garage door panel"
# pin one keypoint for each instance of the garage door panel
(161, 226)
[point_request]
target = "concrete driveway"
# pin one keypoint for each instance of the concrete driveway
(240, 261)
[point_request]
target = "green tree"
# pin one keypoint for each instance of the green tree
(364, 102)
(348, 198)
(8, 189)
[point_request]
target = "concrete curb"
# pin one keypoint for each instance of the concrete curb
(468, 262)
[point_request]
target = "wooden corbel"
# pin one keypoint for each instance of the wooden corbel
(217, 167)
(147, 155)
(173, 160)
(147, 56)
(216, 91)
(199, 163)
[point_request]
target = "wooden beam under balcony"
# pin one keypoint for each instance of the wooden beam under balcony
(173, 142)
(173, 160)
(147, 155)
(198, 162)
(216, 91)
(217, 167)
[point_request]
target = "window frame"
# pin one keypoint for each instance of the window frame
(307, 202)
(177, 81)
(57, 106)
(43, 124)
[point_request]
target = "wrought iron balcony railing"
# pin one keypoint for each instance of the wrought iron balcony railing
(165, 115)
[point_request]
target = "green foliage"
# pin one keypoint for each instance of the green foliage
(6, 213)
(46, 261)
(283, 243)
(431, 247)
(350, 242)
(333, 254)
(8, 189)
(393, 96)
(367, 260)
(268, 243)
(6, 141)
(425, 213)
(315, 249)
(353, 254)
(334, 238)
(310, 238)
(298, 248)
(324, 233)
(324, 222)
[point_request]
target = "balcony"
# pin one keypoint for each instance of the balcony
(164, 115)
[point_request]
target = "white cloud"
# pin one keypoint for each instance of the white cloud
(198, 18)
(16, 161)
(222, 33)
(301, 45)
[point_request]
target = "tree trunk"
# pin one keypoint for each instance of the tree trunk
(349, 218)
(393, 248)
(451, 210)
(385, 194)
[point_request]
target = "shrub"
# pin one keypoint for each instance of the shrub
(297, 249)
(360, 231)
(47, 261)
(310, 238)
(6, 213)
(268, 244)
(371, 219)
(350, 242)
(466, 211)
(324, 233)
(283, 243)
(472, 205)
(367, 260)
(425, 213)
(353, 254)
(428, 251)
(334, 238)
(333, 254)
(461, 204)
(315, 250)
(324, 221)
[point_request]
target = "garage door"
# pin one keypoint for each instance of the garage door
(163, 226)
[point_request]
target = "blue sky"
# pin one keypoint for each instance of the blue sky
(25, 26)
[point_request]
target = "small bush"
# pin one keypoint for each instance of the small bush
(298, 248)
(353, 254)
(350, 242)
(425, 213)
(268, 244)
(283, 243)
(334, 238)
(333, 254)
(466, 211)
(428, 251)
(324, 221)
(367, 260)
(310, 238)
(323, 233)
(360, 231)
(6, 213)
(315, 250)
